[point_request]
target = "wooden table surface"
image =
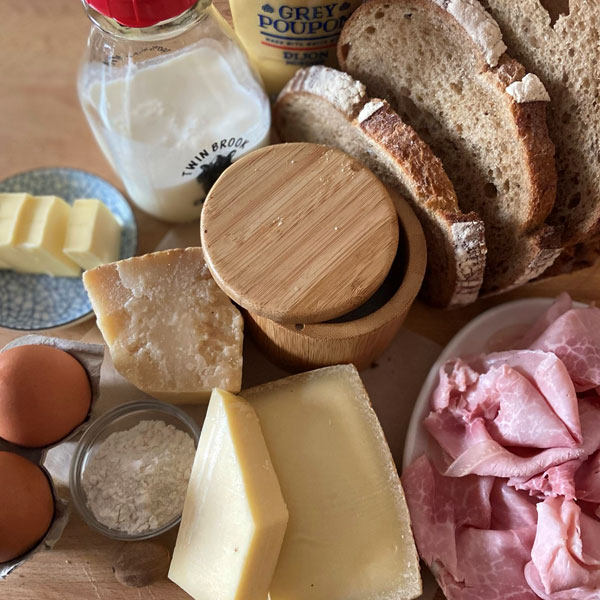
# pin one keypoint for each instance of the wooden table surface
(41, 124)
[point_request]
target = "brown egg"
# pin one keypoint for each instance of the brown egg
(44, 394)
(26, 505)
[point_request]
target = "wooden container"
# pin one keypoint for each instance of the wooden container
(360, 340)
(311, 244)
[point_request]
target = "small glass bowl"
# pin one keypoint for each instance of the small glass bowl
(122, 418)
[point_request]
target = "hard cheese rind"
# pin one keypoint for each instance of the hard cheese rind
(93, 234)
(349, 535)
(170, 330)
(234, 517)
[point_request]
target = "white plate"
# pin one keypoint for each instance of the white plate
(472, 339)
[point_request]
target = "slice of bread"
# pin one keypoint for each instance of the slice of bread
(559, 40)
(326, 106)
(441, 65)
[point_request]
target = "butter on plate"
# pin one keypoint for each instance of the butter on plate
(32, 232)
(13, 210)
(43, 242)
(93, 235)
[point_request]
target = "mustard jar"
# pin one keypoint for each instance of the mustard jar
(285, 35)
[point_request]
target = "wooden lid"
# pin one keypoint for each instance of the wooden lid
(299, 233)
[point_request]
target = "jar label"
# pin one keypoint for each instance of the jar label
(283, 35)
(304, 35)
(208, 164)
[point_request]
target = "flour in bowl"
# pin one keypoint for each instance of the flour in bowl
(137, 479)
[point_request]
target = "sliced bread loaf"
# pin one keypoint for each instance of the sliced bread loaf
(441, 65)
(559, 40)
(329, 107)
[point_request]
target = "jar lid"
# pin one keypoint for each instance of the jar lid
(141, 13)
(299, 233)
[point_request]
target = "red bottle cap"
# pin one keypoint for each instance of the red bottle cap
(141, 13)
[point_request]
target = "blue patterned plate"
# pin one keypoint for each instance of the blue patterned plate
(31, 302)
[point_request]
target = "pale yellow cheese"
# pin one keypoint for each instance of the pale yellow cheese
(234, 517)
(349, 535)
(93, 235)
(170, 329)
(45, 235)
(15, 212)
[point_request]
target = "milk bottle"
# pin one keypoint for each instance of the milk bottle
(171, 102)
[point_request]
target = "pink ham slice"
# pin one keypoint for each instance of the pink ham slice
(438, 505)
(506, 590)
(560, 480)
(560, 306)
(587, 480)
(510, 509)
(475, 532)
(565, 559)
(476, 453)
(551, 378)
(524, 416)
(575, 338)
(478, 415)
(555, 481)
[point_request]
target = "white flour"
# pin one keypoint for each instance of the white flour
(137, 479)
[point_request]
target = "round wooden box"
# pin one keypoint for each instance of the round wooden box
(322, 258)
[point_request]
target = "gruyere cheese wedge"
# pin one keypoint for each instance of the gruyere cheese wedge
(45, 236)
(349, 535)
(15, 212)
(170, 329)
(93, 235)
(234, 517)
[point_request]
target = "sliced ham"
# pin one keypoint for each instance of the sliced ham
(458, 527)
(439, 505)
(565, 559)
(551, 378)
(555, 481)
(507, 505)
(587, 480)
(507, 590)
(559, 307)
(575, 338)
(560, 480)
(476, 453)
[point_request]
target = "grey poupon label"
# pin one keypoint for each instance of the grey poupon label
(304, 34)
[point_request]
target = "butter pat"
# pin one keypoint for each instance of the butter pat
(15, 210)
(45, 235)
(234, 517)
(170, 329)
(349, 535)
(93, 234)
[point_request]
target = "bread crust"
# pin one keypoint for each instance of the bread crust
(568, 62)
(528, 120)
(538, 150)
(432, 193)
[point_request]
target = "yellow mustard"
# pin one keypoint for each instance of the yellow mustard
(283, 35)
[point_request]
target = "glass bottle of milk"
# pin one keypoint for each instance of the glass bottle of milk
(171, 98)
